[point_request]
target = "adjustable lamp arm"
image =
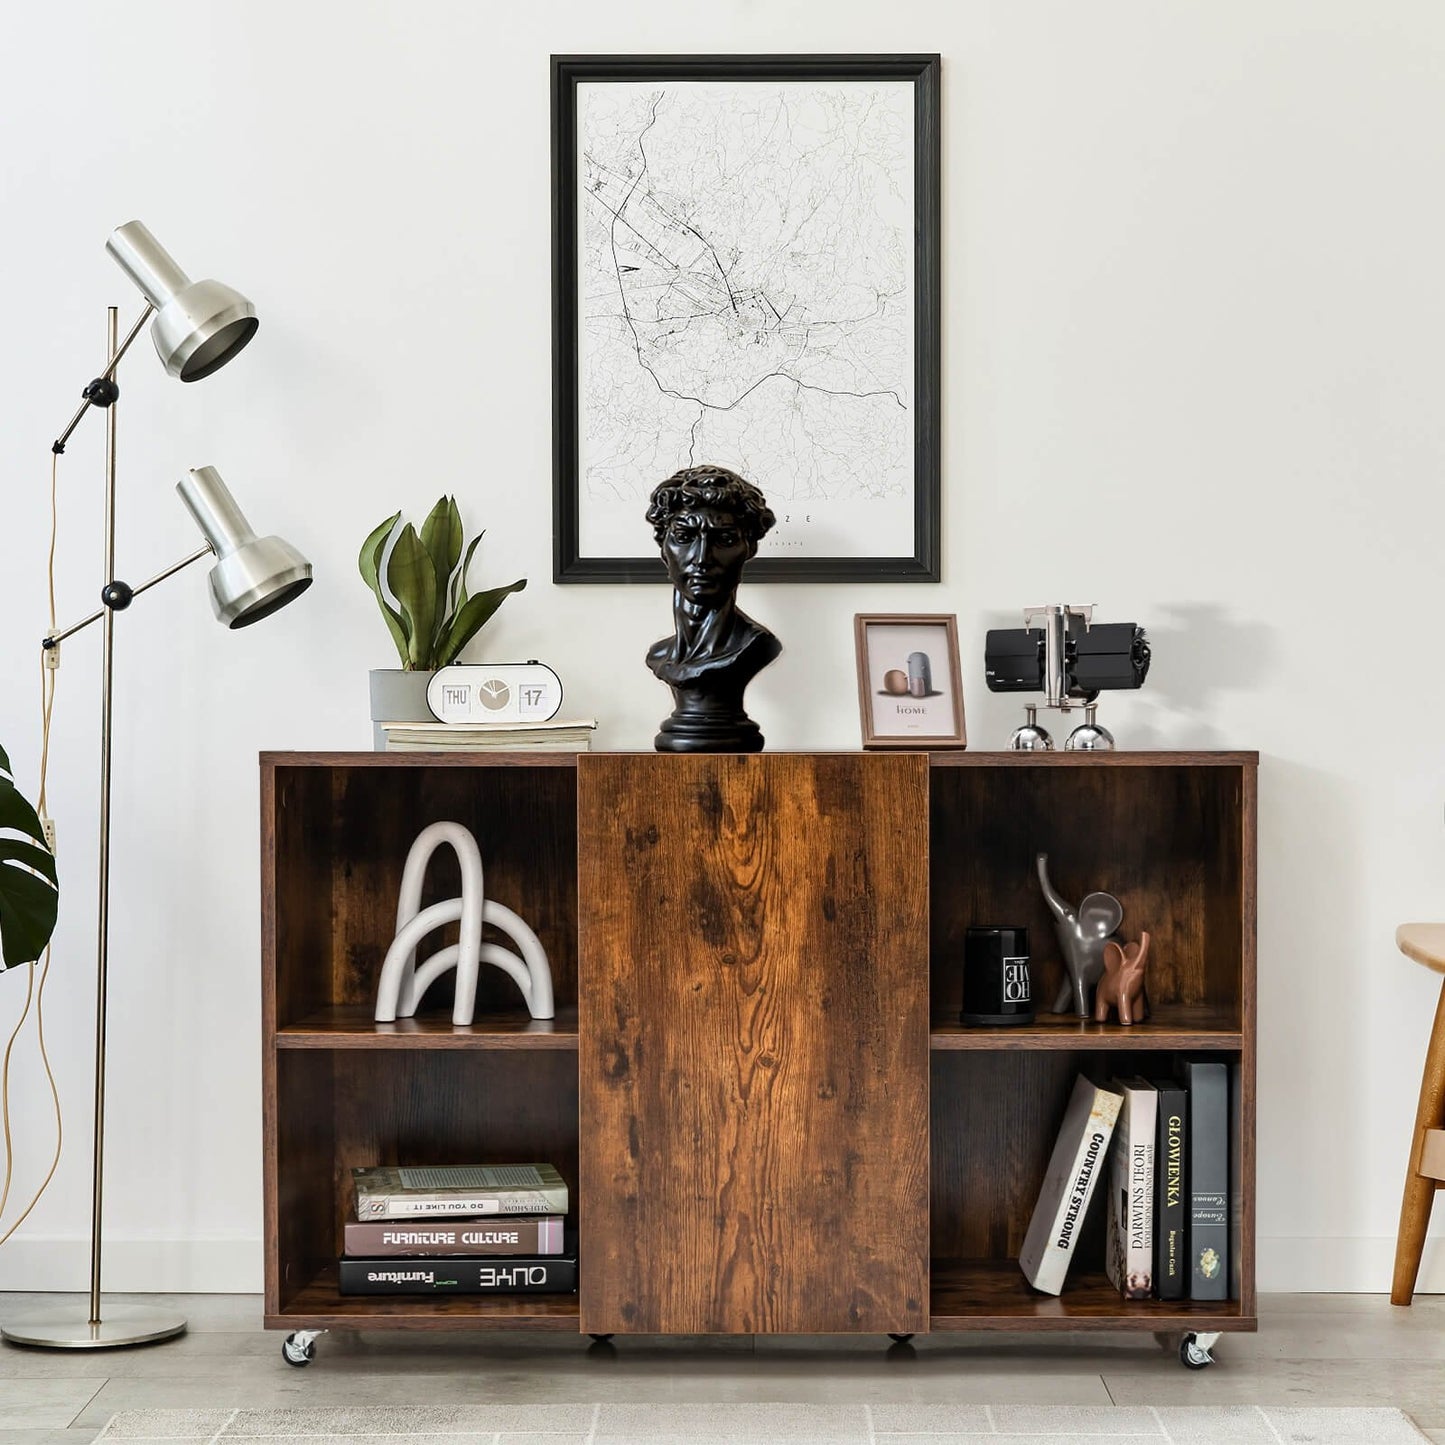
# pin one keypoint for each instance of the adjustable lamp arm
(117, 596)
(103, 391)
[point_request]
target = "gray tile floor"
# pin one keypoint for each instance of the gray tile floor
(1311, 1351)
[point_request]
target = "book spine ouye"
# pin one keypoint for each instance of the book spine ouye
(524, 1274)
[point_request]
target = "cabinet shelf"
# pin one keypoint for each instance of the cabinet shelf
(351, 1026)
(320, 1305)
(1180, 1027)
(992, 1294)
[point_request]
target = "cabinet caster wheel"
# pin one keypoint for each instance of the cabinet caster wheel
(900, 1339)
(299, 1347)
(1194, 1351)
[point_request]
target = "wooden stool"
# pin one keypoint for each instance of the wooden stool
(1425, 943)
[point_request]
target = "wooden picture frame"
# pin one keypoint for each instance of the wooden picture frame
(757, 362)
(898, 656)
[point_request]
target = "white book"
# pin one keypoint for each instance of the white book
(1080, 1156)
(1129, 1241)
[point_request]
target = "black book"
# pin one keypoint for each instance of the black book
(1208, 1179)
(1171, 1153)
(461, 1274)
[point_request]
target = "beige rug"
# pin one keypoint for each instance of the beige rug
(769, 1425)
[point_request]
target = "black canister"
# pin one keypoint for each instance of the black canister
(997, 988)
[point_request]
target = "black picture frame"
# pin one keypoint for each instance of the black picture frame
(568, 71)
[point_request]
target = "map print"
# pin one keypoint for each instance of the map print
(746, 298)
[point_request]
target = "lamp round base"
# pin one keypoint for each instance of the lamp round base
(71, 1329)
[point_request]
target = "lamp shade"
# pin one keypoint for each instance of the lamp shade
(253, 576)
(199, 325)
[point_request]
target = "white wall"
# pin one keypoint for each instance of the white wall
(1193, 371)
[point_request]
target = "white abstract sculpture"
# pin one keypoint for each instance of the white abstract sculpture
(403, 983)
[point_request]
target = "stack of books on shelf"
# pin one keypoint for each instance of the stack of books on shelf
(495, 1229)
(562, 736)
(1162, 1150)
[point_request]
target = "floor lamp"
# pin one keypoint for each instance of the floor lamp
(199, 326)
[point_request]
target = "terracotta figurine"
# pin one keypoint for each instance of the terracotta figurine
(1122, 986)
(708, 522)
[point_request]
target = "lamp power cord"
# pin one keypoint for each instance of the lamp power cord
(49, 668)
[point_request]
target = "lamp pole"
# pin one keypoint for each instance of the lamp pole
(107, 681)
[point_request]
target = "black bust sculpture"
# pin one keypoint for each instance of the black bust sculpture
(708, 522)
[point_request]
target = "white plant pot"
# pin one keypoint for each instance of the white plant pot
(397, 696)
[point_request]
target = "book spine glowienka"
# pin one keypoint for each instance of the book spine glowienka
(1171, 1273)
(524, 1274)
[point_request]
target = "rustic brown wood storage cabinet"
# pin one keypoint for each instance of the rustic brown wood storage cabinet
(756, 1085)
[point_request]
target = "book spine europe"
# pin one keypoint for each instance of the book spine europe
(1171, 1272)
(1208, 1180)
(1129, 1253)
(499, 1235)
(1074, 1167)
(523, 1274)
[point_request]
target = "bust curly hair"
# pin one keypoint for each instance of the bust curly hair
(710, 487)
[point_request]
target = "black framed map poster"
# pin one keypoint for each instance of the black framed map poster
(746, 274)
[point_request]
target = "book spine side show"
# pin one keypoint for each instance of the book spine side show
(1129, 1240)
(1208, 1180)
(504, 1236)
(1171, 1247)
(521, 1274)
(1079, 1157)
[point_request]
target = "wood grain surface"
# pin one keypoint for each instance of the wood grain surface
(753, 1043)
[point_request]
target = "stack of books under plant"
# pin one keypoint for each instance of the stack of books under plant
(459, 1229)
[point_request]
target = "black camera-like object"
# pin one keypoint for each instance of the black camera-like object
(1099, 658)
(1071, 659)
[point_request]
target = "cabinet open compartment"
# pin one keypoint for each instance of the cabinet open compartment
(342, 1091)
(995, 1117)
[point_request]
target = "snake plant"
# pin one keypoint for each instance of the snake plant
(426, 574)
(29, 889)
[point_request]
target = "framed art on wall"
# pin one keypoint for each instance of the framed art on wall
(745, 256)
(910, 694)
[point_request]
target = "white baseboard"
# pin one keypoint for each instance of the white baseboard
(1349, 1265)
(230, 1264)
(233, 1265)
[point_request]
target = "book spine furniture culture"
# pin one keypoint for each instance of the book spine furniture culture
(1208, 1179)
(1079, 1157)
(517, 1234)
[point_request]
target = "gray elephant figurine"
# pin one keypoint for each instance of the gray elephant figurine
(1082, 934)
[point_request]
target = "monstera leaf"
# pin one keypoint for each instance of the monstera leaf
(29, 888)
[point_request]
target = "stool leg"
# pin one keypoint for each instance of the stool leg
(1419, 1190)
